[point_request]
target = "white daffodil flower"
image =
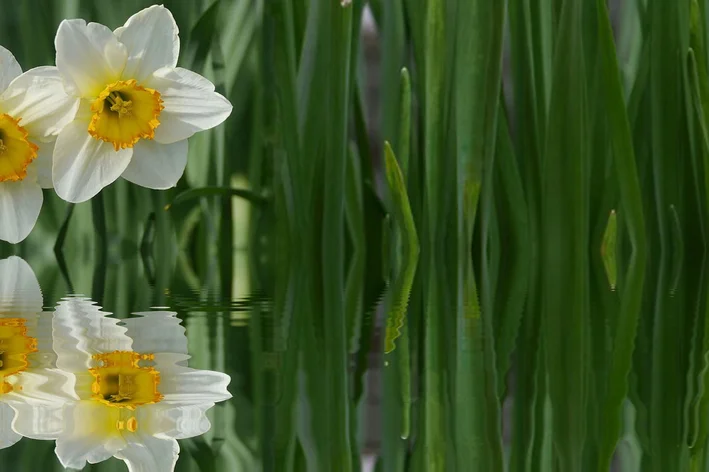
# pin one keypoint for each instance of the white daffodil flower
(31, 115)
(25, 348)
(137, 107)
(131, 395)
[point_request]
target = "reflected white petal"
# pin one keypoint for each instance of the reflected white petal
(89, 434)
(157, 332)
(8, 437)
(19, 288)
(40, 398)
(146, 453)
(176, 421)
(185, 386)
(81, 330)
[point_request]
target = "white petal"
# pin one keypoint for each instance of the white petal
(89, 56)
(90, 434)
(186, 386)
(9, 68)
(175, 421)
(42, 165)
(19, 288)
(157, 166)
(37, 98)
(45, 357)
(84, 165)
(7, 436)
(191, 104)
(20, 203)
(151, 38)
(44, 422)
(146, 453)
(39, 397)
(156, 332)
(81, 330)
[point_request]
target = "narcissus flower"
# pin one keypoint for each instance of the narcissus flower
(31, 115)
(25, 348)
(137, 108)
(128, 392)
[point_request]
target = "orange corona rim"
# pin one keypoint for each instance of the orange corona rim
(16, 151)
(124, 113)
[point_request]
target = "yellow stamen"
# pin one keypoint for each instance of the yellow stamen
(16, 151)
(122, 107)
(121, 382)
(124, 113)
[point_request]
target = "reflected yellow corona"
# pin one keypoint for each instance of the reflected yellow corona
(121, 382)
(15, 345)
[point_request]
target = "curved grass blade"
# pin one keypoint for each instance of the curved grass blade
(196, 193)
(513, 283)
(404, 256)
(631, 202)
(565, 241)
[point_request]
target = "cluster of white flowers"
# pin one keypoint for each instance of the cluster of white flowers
(115, 105)
(98, 386)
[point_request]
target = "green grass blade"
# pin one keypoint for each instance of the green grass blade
(565, 241)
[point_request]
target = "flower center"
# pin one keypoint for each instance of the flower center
(124, 113)
(16, 151)
(121, 382)
(15, 345)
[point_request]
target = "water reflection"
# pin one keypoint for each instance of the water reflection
(97, 385)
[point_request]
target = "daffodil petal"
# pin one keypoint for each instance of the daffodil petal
(81, 330)
(88, 435)
(152, 41)
(186, 386)
(146, 453)
(175, 421)
(89, 56)
(190, 102)
(19, 288)
(43, 422)
(84, 165)
(9, 68)
(155, 165)
(156, 332)
(37, 98)
(7, 436)
(20, 203)
(43, 164)
(45, 357)
(40, 397)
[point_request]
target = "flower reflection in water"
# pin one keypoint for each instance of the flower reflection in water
(117, 388)
(25, 337)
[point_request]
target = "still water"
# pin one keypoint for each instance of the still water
(183, 367)
(81, 385)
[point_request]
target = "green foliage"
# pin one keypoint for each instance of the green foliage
(489, 226)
